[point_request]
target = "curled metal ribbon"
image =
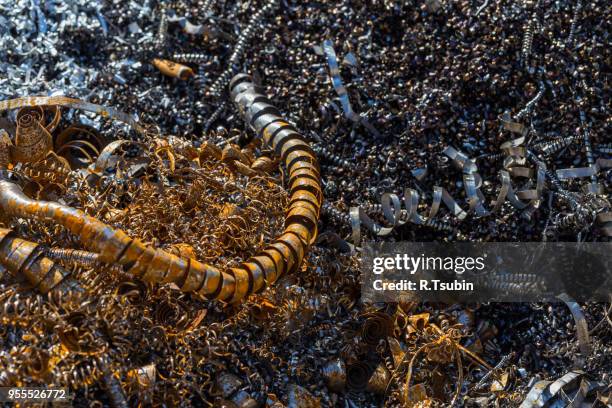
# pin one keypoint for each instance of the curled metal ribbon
(391, 208)
(334, 70)
(396, 217)
(103, 111)
(32, 139)
(245, 37)
(582, 329)
(471, 180)
(25, 259)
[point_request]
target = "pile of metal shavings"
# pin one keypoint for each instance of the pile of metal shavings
(42, 46)
(153, 190)
(429, 104)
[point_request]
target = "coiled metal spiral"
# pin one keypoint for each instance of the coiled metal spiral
(27, 260)
(193, 58)
(572, 33)
(339, 217)
(243, 40)
(554, 146)
(528, 39)
(531, 104)
(570, 221)
(330, 157)
(83, 374)
(48, 170)
(584, 214)
(562, 192)
(438, 225)
(594, 186)
(79, 257)
(162, 32)
(214, 116)
(15, 310)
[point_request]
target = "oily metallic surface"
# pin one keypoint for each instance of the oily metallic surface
(288, 258)
(257, 109)
(257, 275)
(303, 172)
(279, 264)
(271, 129)
(297, 156)
(263, 120)
(296, 245)
(307, 184)
(306, 196)
(285, 136)
(301, 162)
(244, 284)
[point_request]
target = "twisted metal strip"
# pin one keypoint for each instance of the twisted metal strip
(557, 144)
(162, 31)
(79, 257)
(396, 217)
(334, 71)
(574, 24)
(214, 116)
(594, 186)
(528, 39)
(531, 104)
(190, 58)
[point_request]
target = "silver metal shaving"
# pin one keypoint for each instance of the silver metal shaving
(32, 44)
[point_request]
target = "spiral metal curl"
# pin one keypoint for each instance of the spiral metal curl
(515, 163)
(243, 40)
(574, 25)
(528, 39)
(25, 259)
(190, 58)
(554, 146)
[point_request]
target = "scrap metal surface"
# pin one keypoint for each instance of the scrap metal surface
(149, 194)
